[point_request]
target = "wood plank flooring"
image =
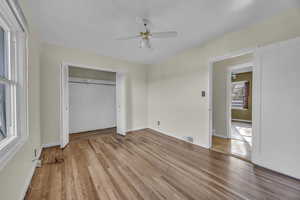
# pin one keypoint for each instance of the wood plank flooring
(148, 165)
(237, 148)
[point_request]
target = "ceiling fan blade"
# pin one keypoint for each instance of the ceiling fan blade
(129, 37)
(167, 34)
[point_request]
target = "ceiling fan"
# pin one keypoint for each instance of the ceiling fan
(147, 35)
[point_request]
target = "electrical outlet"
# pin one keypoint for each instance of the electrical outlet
(189, 139)
(203, 94)
(158, 123)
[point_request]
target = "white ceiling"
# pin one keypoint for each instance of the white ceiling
(93, 24)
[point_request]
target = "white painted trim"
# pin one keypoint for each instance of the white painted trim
(228, 103)
(171, 135)
(90, 81)
(54, 144)
(93, 130)
(243, 70)
(17, 10)
(233, 54)
(120, 95)
(241, 120)
(256, 107)
(262, 164)
(10, 154)
(64, 138)
(221, 136)
(211, 129)
(121, 111)
(39, 153)
(248, 65)
(30, 175)
(135, 129)
(94, 68)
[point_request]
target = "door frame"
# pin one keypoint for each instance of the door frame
(121, 122)
(256, 96)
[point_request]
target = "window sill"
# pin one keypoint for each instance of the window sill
(9, 149)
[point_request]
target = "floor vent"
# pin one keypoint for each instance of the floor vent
(188, 139)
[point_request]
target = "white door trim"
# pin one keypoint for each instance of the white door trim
(121, 103)
(63, 122)
(120, 99)
(256, 110)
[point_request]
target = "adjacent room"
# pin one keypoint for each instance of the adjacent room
(149, 99)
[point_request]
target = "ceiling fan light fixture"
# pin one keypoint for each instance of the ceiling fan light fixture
(145, 43)
(147, 35)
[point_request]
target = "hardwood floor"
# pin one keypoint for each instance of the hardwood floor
(237, 148)
(148, 165)
(239, 145)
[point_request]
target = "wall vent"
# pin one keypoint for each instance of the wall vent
(188, 139)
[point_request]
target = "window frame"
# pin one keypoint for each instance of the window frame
(16, 57)
(243, 106)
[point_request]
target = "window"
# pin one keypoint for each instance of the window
(3, 131)
(13, 83)
(240, 95)
(7, 89)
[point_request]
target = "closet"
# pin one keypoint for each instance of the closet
(92, 104)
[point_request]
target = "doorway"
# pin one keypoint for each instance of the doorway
(231, 105)
(115, 89)
(241, 110)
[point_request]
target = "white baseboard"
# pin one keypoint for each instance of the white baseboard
(39, 153)
(171, 135)
(274, 168)
(135, 129)
(58, 144)
(85, 131)
(241, 120)
(30, 175)
(221, 136)
(50, 145)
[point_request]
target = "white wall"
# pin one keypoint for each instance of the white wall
(220, 70)
(280, 108)
(51, 58)
(175, 85)
(91, 106)
(15, 175)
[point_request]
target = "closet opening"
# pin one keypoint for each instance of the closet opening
(92, 101)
